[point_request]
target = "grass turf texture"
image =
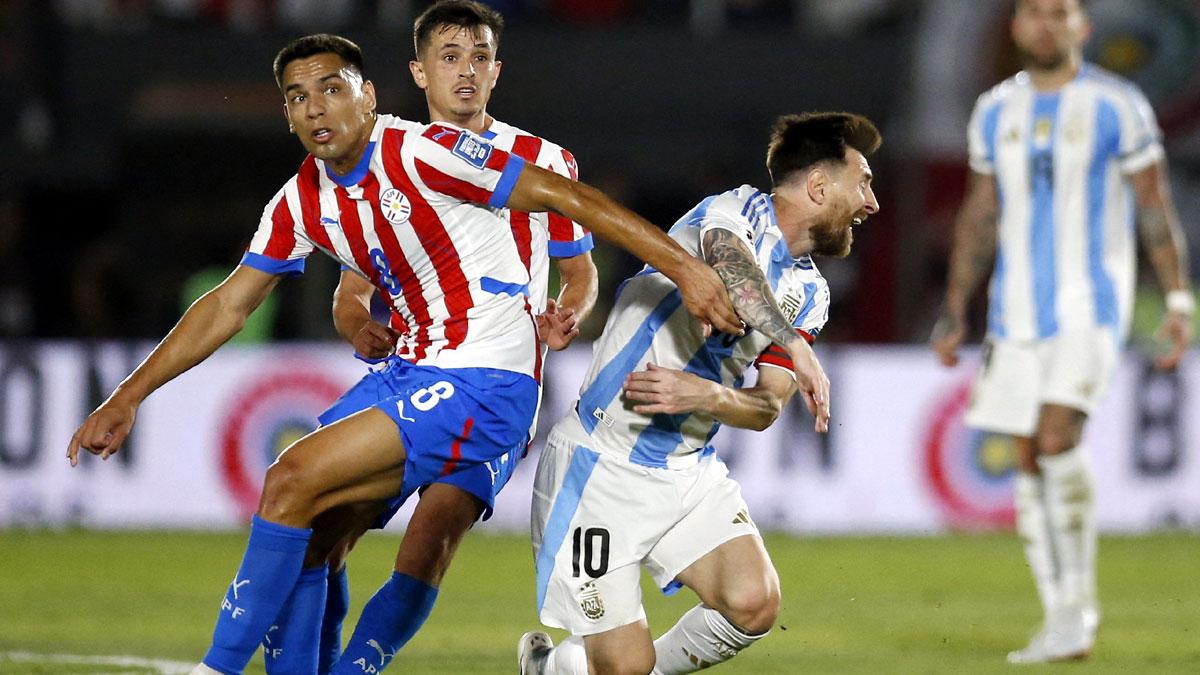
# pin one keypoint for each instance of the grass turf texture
(850, 605)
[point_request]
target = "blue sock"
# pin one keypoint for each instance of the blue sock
(291, 644)
(337, 606)
(389, 620)
(269, 570)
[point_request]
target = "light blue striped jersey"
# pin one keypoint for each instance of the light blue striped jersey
(649, 324)
(1066, 249)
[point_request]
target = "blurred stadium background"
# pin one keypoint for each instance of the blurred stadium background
(144, 137)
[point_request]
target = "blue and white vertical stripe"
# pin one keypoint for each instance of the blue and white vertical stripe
(1066, 249)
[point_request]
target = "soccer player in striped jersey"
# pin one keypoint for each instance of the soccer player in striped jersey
(629, 479)
(1062, 157)
(415, 210)
(455, 43)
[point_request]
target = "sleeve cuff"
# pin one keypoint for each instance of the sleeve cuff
(262, 263)
(982, 166)
(1141, 158)
(570, 249)
(508, 180)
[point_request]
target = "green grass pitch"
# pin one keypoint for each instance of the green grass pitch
(850, 605)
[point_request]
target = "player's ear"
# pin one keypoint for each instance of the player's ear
(286, 116)
(815, 184)
(368, 90)
(418, 73)
(496, 73)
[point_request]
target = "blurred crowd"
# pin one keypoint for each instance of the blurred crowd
(254, 15)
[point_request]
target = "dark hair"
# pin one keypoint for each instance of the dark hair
(312, 45)
(1083, 4)
(800, 141)
(460, 13)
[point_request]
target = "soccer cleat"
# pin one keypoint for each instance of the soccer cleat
(202, 669)
(532, 650)
(1091, 619)
(1066, 636)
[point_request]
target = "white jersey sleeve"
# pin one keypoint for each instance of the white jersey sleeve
(981, 132)
(1141, 139)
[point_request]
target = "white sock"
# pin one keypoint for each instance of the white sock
(567, 658)
(700, 639)
(1071, 506)
(1033, 527)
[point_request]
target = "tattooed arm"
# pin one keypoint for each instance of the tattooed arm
(747, 286)
(970, 260)
(1158, 225)
(753, 301)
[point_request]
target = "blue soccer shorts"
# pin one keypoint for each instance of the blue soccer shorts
(467, 427)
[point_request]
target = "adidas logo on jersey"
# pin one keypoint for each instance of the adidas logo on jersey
(604, 417)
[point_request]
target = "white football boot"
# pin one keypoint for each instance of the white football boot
(202, 669)
(532, 650)
(1065, 636)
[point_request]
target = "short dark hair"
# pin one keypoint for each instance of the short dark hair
(1083, 4)
(461, 13)
(801, 141)
(312, 45)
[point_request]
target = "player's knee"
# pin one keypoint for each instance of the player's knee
(1052, 441)
(753, 605)
(286, 495)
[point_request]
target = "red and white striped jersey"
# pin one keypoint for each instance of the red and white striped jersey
(541, 236)
(422, 217)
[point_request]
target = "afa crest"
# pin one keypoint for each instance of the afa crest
(590, 601)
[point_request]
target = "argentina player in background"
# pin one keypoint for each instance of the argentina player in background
(1062, 156)
(629, 480)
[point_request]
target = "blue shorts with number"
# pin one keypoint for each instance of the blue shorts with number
(466, 427)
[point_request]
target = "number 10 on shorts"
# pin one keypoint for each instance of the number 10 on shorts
(589, 544)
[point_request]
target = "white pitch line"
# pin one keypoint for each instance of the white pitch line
(163, 666)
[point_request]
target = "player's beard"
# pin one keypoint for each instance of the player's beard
(1048, 62)
(832, 240)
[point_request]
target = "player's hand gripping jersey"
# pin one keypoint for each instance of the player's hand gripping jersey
(422, 218)
(1066, 254)
(649, 325)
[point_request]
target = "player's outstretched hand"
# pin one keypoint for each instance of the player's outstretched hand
(812, 383)
(705, 296)
(556, 326)
(948, 335)
(665, 390)
(375, 340)
(103, 432)
(1176, 329)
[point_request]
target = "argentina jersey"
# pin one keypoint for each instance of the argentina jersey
(649, 324)
(1066, 251)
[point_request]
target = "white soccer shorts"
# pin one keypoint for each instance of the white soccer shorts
(1017, 378)
(597, 520)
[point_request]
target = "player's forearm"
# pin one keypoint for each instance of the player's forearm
(205, 326)
(748, 288)
(1165, 245)
(350, 314)
(580, 281)
(753, 408)
(621, 226)
(974, 247)
(538, 190)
